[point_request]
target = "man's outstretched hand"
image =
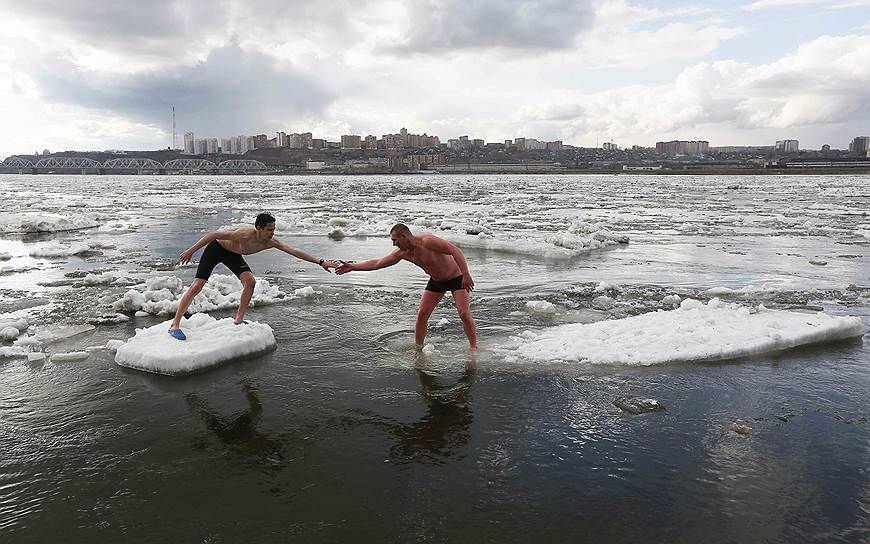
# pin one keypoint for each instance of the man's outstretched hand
(344, 268)
(330, 264)
(186, 256)
(467, 283)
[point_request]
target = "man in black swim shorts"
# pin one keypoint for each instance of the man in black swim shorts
(447, 269)
(228, 247)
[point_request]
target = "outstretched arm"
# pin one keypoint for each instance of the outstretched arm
(299, 254)
(443, 246)
(373, 264)
(210, 237)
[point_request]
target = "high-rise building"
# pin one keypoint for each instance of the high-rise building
(226, 144)
(200, 147)
(860, 146)
(260, 140)
(211, 146)
(370, 142)
(351, 141)
(281, 139)
(188, 143)
(691, 148)
(826, 148)
(787, 146)
(609, 146)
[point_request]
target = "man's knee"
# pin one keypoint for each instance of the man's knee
(197, 285)
(249, 282)
(465, 315)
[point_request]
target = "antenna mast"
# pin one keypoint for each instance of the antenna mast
(174, 134)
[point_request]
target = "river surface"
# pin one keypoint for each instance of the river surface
(346, 433)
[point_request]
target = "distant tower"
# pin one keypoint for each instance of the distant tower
(174, 134)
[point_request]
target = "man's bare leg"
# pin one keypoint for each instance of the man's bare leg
(427, 304)
(186, 300)
(248, 283)
(463, 306)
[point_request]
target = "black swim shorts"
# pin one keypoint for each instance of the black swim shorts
(216, 253)
(443, 286)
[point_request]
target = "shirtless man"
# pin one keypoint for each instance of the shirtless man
(447, 271)
(228, 247)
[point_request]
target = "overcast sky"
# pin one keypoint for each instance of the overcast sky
(101, 74)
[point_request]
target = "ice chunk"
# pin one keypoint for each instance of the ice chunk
(162, 294)
(56, 249)
(602, 302)
(70, 356)
(49, 335)
(32, 222)
(210, 342)
(99, 279)
(541, 307)
(671, 300)
(693, 332)
(638, 405)
(5, 256)
(17, 323)
(35, 357)
(305, 292)
(9, 333)
(336, 233)
(113, 345)
(12, 352)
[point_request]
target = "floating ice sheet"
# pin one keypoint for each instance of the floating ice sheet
(692, 332)
(31, 222)
(210, 343)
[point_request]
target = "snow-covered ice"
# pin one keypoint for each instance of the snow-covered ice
(692, 332)
(160, 295)
(210, 342)
(56, 249)
(32, 222)
(51, 334)
(541, 307)
(70, 356)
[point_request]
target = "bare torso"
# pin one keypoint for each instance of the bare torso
(439, 266)
(247, 245)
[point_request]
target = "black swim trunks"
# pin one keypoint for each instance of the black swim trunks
(216, 253)
(443, 286)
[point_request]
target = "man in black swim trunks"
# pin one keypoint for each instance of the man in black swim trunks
(447, 269)
(227, 247)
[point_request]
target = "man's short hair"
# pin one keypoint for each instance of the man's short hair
(263, 219)
(401, 228)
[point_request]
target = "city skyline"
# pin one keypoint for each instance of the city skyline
(101, 75)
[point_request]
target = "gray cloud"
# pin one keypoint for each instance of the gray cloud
(438, 26)
(232, 91)
(155, 27)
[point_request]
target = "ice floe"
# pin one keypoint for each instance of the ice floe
(70, 356)
(210, 342)
(161, 295)
(56, 249)
(52, 333)
(693, 332)
(32, 223)
(541, 307)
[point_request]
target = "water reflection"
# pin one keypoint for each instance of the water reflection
(240, 432)
(445, 428)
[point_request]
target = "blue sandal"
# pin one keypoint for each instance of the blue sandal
(242, 322)
(177, 334)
